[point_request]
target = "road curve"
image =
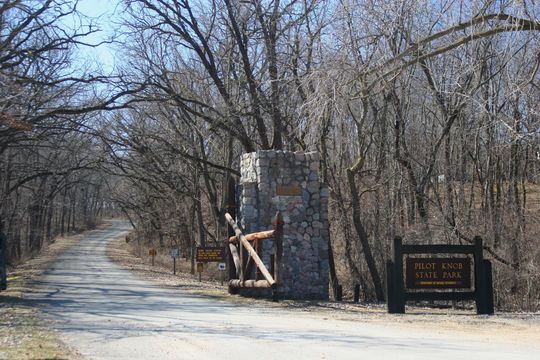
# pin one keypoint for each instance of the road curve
(108, 313)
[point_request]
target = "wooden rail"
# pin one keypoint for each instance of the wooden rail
(250, 283)
(263, 235)
(253, 254)
(244, 255)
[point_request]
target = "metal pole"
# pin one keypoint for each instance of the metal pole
(174, 265)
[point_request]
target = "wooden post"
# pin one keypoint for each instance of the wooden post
(356, 293)
(278, 236)
(488, 289)
(479, 286)
(200, 268)
(338, 292)
(242, 255)
(399, 291)
(245, 244)
(273, 265)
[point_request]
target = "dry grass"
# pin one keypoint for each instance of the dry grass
(127, 255)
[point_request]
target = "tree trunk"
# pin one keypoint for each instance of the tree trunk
(363, 237)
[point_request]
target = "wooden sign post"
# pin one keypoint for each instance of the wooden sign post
(439, 273)
(152, 253)
(200, 269)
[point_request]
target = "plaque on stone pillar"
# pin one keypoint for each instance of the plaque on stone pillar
(289, 190)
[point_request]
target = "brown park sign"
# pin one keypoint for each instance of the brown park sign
(438, 273)
(210, 254)
(424, 272)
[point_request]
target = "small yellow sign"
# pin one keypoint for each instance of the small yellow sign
(152, 252)
(200, 267)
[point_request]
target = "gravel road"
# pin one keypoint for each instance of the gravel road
(108, 313)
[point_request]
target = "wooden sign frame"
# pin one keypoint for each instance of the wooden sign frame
(482, 293)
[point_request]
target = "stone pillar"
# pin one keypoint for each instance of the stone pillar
(289, 182)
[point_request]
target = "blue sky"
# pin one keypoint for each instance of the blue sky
(104, 12)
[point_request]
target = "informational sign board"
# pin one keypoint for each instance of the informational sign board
(200, 267)
(438, 273)
(152, 252)
(210, 254)
(222, 267)
(175, 253)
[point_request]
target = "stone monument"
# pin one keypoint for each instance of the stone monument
(289, 182)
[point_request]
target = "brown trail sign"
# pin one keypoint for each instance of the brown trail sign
(210, 254)
(439, 273)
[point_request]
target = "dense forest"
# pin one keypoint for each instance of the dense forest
(425, 114)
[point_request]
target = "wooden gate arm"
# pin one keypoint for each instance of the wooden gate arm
(263, 235)
(251, 251)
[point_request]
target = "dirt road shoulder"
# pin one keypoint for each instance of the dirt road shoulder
(516, 328)
(22, 334)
